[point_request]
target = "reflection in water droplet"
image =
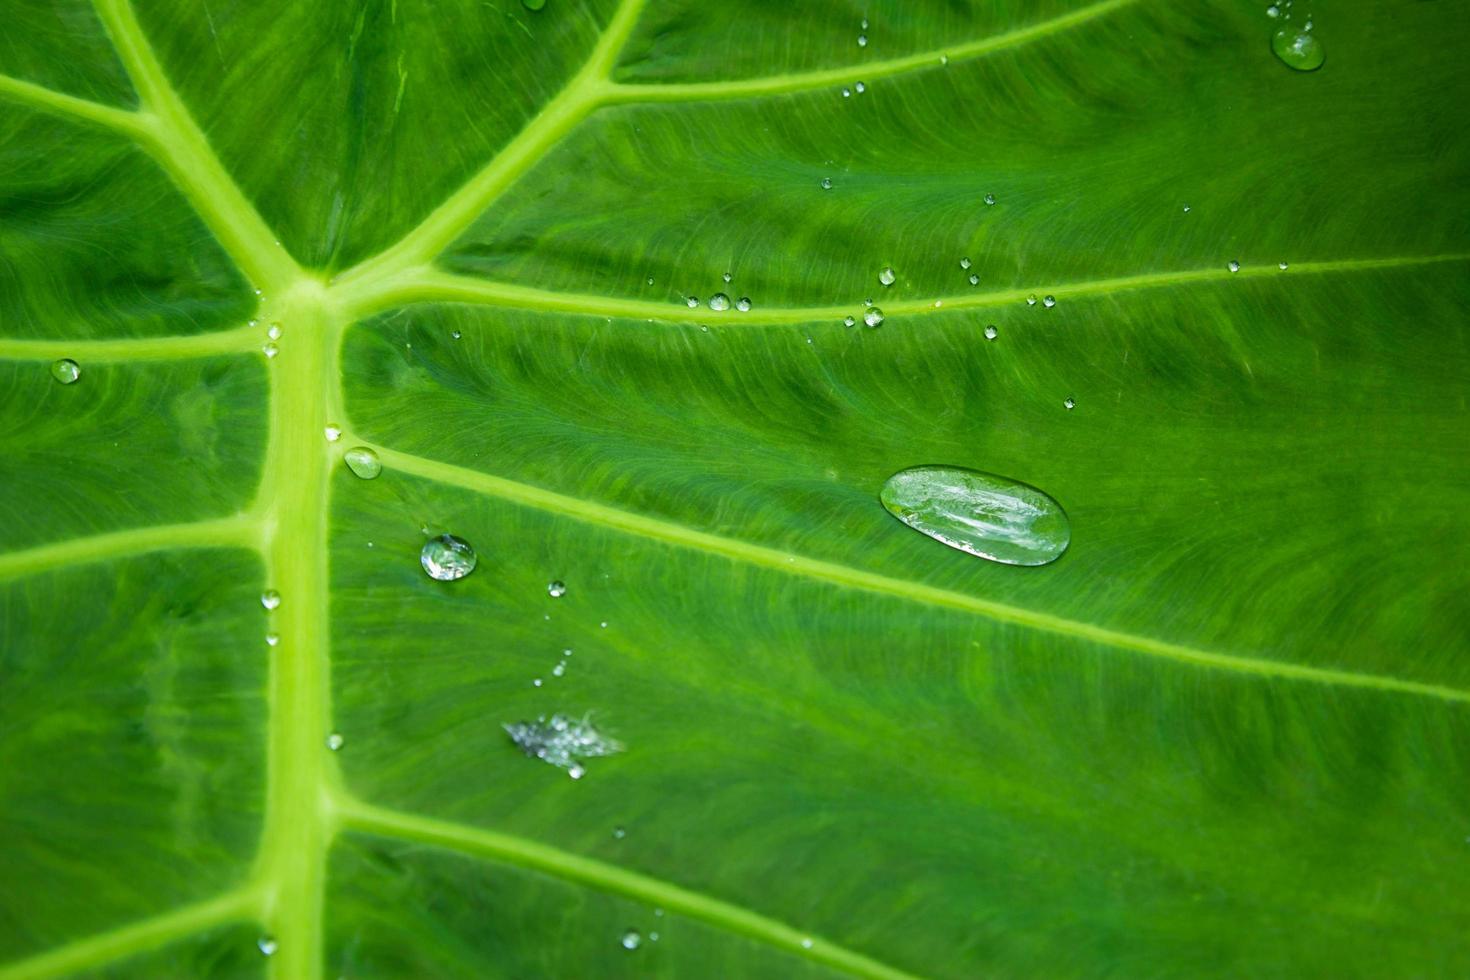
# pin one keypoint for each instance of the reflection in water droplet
(65, 370)
(873, 317)
(556, 589)
(846, 92)
(1298, 49)
(267, 945)
(363, 462)
(631, 939)
(743, 304)
(447, 558)
(980, 514)
(270, 598)
(576, 771)
(559, 668)
(455, 334)
(335, 741)
(1233, 265)
(887, 277)
(991, 333)
(720, 302)
(826, 183)
(333, 432)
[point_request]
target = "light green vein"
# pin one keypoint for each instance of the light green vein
(84, 954)
(60, 104)
(587, 89)
(668, 532)
(240, 531)
(428, 285)
(805, 81)
(236, 341)
(610, 878)
(171, 136)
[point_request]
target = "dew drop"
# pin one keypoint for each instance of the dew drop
(267, 945)
(455, 334)
(1069, 404)
(1281, 266)
(974, 279)
(991, 333)
(862, 40)
(848, 321)
(1186, 209)
(691, 301)
(271, 639)
(1299, 50)
(1031, 300)
(576, 771)
(965, 262)
(826, 183)
(631, 939)
(859, 88)
(536, 682)
(270, 350)
(333, 432)
(363, 462)
(556, 589)
(65, 370)
(274, 331)
(887, 277)
(873, 317)
(653, 937)
(743, 304)
(1233, 265)
(727, 277)
(1049, 302)
(846, 92)
(650, 280)
(806, 943)
(447, 558)
(1273, 11)
(980, 514)
(335, 741)
(719, 302)
(619, 833)
(559, 668)
(989, 198)
(270, 599)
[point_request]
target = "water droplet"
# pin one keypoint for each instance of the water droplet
(727, 277)
(691, 301)
(650, 280)
(559, 668)
(274, 331)
(806, 943)
(848, 321)
(859, 88)
(974, 279)
(1298, 49)
(887, 277)
(447, 558)
(864, 24)
(271, 639)
(536, 682)
(333, 432)
(873, 317)
(335, 741)
(826, 183)
(1281, 266)
(533, 4)
(1031, 300)
(846, 92)
(991, 333)
(363, 462)
(989, 198)
(1069, 404)
(631, 939)
(653, 937)
(862, 40)
(267, 945)
(743, 304)
(720, 302)
(658, 913)
(1049, 302)
(556, 589)
(965, 262)
(1233, 265)
(944, 59)
(65, 370)
(619, 833)
(562, 741)
(576, 771)
(980, 514)
(867, 302)
(603, 624)
(1273, 11)
(270, 350)
(455, 334)
(567, 652)
(1186, 209)
(270, 598)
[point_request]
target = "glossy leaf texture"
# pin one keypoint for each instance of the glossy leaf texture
(1226, 733)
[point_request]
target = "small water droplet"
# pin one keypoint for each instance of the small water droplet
(556, 589)
(1069, 404)
(1233, 265)
(455, 334)
(603, 624)
(559, 668)
(363, 462)
(447, 558)
(650, 280)
(846, 92)
(727, 277)
(980, 514)
(1031, 300)
(576, 771)
(335, 741)
(271, 639)
(567, 652)
(274, 331)
(270, 350)
(864, 24)
(691, 301)
(1281, 266)
(267, 945)
(1299, 50)
(1186, 209)
(270, 599)
(1273, 11)
(333, 432)
(944, 59)
(806, 943)
(631, 939)
(965, 262)
(719, 302)
(826, 183)
(536, 682)
(65, 370)
(848, 321)
(989, 198)
(743, 304)
(658, 913)
(867, 302)
(619, 833)
(873, 317)
(974, 279)
(887, 277)
(653, 937)
(862, 40)
(859, 88)
(1049, 302)
(991, 333)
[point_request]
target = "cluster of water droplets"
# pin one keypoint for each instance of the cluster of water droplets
(562, 741)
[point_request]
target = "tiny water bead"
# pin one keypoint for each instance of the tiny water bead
(559, 668)
(1281, 266)
(267, 945)
(887, 277)
(743, 304)
(1233, 265)
(271, 639)
(859, 88)
(363, 462)
(447, 558)
(274, 331)
(333, 432)
(1031, 300)
(846, 92)
(1273, 11)
(719, 302)
(1069, 404)
(826, 183)
(873, 317)
(455, 334)
(989, 198)
(270, 350)
(727, 277)
(1299, 50)
(862, 40)
(556, 589)
(65, 370)
(270, 599)
(981, 514)
(965, 262)
(631, 939)
(991, 333)
(1049, 302)
(691, 301)
(806, 942)
(619, 833)
(335, 741)
(848, 321)
(974, 279)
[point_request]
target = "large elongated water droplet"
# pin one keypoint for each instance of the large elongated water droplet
(447, 558)
(979, 513)
(65, 370)
(1298, 49)
(363, 462)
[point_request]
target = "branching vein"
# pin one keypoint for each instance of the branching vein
(236, 341)
(228, 532)
(57, 103)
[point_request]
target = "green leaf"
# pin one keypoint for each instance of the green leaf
(1224, 734)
